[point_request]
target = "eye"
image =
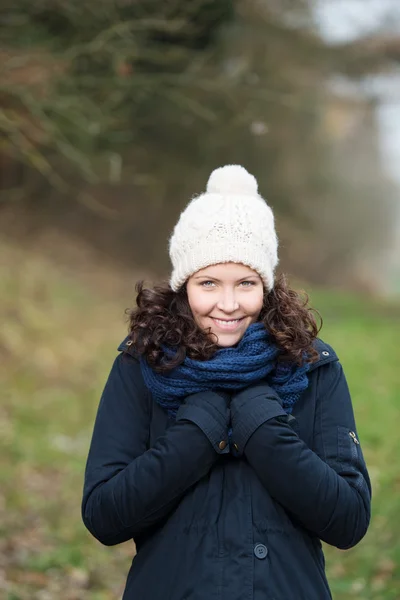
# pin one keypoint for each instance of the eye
(247, 283)
(207, 284)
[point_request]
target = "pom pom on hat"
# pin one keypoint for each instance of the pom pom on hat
(230, 222)
(232, 179)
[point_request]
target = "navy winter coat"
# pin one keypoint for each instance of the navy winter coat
(216, 521)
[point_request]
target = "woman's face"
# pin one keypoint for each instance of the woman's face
(225, 298)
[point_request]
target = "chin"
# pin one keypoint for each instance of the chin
(226, 340)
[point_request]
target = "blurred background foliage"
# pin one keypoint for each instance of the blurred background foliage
(112, 115)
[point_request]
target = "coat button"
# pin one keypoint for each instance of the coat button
(236, 447)
(260, 551)
(222, 445)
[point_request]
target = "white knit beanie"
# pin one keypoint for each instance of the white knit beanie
(230, 222)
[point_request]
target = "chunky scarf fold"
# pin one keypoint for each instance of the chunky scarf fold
(252, 360)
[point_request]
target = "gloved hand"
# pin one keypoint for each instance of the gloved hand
(209, 411)
(257, 391)
(250, 393)
(214, 401)
(250, 408)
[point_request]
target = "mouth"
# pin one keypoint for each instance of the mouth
(227, 324)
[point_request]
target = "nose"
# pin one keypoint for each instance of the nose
(227, 301)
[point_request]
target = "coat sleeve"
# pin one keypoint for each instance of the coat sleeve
(328, 488)
(129, 487)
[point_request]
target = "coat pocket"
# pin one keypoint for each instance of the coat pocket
(350, 455)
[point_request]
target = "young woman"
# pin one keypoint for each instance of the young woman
(225, 443)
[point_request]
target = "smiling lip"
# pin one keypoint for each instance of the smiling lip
(227, 324)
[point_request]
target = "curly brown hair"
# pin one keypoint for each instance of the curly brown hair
(163, 317)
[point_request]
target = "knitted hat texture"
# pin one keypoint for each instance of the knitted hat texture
(230, 222)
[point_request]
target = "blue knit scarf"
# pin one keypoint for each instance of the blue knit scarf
(230, 369)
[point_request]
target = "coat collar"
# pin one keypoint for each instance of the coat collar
(125, 344)
(326, 354)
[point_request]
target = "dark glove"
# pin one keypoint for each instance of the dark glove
(209, 411)
(250, 408)
(262, 388)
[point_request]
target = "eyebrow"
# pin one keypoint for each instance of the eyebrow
(251, 276)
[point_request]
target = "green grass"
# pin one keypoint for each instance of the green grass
(365, 335)
(56, 349)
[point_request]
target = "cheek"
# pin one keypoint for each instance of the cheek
(201, 307)
(199, 303)
(255, 304)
